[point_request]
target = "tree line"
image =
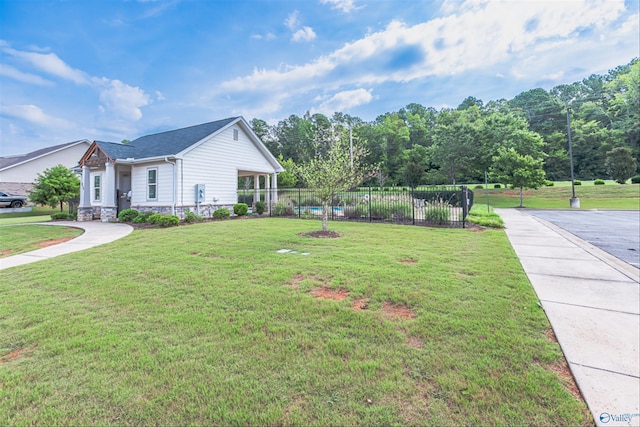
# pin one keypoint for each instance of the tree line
(421, 145)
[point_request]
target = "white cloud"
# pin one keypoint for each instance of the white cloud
(305, 34)
(293, 20)
(343, 101)
(474, 36)
(36, 116)
(267, 36)
(344, 6)
(122, 100)
(293, 23)
(9, 71)
(49, 63)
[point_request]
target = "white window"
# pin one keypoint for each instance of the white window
(235, 134)
(152, 184)
(97, 181)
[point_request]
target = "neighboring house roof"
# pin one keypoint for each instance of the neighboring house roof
(11, 161)
(170, 143)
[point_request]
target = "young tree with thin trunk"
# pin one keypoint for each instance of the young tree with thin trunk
(333, 172)
(54, 186)
(517, 170)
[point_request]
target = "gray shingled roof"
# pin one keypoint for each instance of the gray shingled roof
(12, 160)
(163, 144)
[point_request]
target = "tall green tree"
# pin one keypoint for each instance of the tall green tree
(335, 171)
(456, 149)
(620, 164)
(287, 178)
(55, 186)
(517, 170)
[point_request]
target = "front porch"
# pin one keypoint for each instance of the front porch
(268, 194)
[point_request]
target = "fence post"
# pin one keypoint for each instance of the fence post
(465, 207)
(299, 207)
(370, 204)
(413, 206)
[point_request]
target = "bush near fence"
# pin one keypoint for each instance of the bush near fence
(437, 206)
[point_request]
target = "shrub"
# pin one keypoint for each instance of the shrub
(438, 212)
(260, 207)
(548, 183)
(356, 211)
(310, 200)
(240, 209)
(284, 207)
(62, 216)
(598, 182)
(127, 215)
(577, 182)
(497, 186)
(143, 217)
(221, 213)
(478, 187)
(191, 217)
(635, 179)
(164, 220)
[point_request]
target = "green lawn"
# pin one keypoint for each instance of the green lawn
(17, 239)
(37, 214)
(208, 325)
(609, 196)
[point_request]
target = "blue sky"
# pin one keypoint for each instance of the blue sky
(113, 70)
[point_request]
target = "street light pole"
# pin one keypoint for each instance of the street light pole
(574, 202)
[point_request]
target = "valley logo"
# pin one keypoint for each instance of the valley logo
(606, 417)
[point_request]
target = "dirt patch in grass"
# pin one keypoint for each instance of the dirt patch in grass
(5, 252)
(322, 234)
(16, 354)
(299, 278)
(360, 304)
(407, 261)
(295, 282)
(415, 342)
(398, 311)
(48, 243)
(561, 368)
(327, 293)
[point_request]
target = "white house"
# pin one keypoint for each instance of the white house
(17, 173)
(194, 168)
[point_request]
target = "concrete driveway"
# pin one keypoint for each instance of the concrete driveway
(615, 232)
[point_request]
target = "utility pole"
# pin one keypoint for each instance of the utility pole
(575, 201)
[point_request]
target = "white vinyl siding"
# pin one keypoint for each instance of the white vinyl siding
(216, 163)
(28, 172)
(140, 189)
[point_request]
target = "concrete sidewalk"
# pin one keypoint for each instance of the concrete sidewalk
(592, 300)
(95, 233)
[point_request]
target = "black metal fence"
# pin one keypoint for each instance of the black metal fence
(430, 206)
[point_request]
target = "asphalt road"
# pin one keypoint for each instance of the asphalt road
(616, 232)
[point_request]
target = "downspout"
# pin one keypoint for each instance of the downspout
(173, 185)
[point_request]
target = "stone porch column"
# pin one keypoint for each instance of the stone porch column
(108, 212)
(85, 211)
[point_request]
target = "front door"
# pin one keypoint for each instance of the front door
(124, 190)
